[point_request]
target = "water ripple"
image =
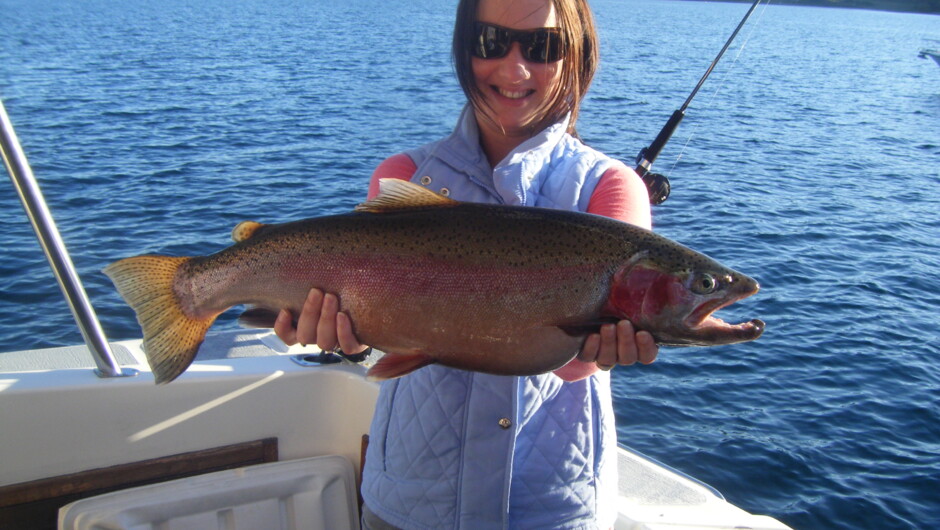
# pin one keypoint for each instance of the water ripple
(155, 128)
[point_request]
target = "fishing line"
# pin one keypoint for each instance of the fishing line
(720, 85)
(657, 184)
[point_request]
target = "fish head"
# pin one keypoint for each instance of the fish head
(673, 295)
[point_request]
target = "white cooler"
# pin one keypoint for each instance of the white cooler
(311, 493)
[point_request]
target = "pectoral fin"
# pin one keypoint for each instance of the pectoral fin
(394, 365)
(580, 329)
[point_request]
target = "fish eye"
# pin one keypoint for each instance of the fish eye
(704, 283)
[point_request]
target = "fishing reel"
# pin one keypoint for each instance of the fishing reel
(657, 184)
(658, 187)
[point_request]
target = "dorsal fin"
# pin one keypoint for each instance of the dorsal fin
(395, 194)
(245, 230)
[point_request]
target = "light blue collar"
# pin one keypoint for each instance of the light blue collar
(517, 177)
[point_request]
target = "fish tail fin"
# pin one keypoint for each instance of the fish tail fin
(171, 337)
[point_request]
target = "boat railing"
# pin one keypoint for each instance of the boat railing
(51, 241)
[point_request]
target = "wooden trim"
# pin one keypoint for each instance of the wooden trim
(362, 467)
(35, 504)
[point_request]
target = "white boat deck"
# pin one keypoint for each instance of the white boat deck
(57, 421)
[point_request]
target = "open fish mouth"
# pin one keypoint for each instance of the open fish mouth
(717, 331)
(713, 330)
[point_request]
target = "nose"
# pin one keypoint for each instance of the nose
(513, 66)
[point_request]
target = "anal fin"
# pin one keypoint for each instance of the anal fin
(257, 317)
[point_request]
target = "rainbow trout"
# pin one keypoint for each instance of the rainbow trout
(496, 289)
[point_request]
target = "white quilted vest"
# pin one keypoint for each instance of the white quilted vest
(456, 449)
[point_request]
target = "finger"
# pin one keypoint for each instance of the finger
(284, 328)
(646, 346)
(326, 327)
(607, 352)
(626, 343)
(344, 334)
(589, 349)
(309, 317)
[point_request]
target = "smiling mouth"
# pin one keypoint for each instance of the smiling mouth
(513, 94)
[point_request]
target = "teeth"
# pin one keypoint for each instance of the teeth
(513, 94)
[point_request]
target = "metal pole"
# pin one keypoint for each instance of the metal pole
(28, 189)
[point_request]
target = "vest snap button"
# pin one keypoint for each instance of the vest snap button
(445, 192)
(505, 423)
(425, 180)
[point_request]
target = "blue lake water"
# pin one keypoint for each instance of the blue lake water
(810, 160)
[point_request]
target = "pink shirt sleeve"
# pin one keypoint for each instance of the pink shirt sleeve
(621, 194)
(399, 166)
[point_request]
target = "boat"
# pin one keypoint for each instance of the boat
(931, 53)
(255, 434)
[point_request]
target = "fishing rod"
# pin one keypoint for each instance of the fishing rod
(656, 183)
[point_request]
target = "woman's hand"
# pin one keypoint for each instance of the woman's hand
(320, 322)
(615, 344)
(618, 344)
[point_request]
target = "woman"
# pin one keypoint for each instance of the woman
(455, 449)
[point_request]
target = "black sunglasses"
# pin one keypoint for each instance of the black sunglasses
(542, 45)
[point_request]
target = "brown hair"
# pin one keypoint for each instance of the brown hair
(580, 45)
